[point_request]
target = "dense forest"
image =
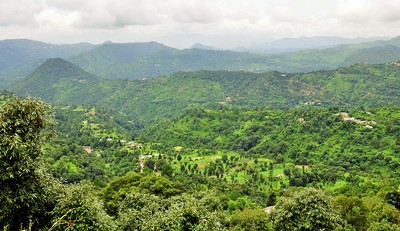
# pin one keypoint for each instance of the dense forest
(220, 167)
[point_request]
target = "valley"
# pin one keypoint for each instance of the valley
(219, 143)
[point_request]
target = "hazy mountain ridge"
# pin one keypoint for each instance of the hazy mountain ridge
(18, 51)
(162, 63)
(302, 43)
(151, 59)
(19, 57)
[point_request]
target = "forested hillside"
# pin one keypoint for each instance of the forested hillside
(208, 169)
(329, 145)
(58, 81)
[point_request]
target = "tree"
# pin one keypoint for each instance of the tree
(250, 219)
(305, 209)
(25, 188)
(393, 197)
(383, 226)
(78, 208)
(119, 187)
(200, 211)
(167, 170)
(353, 211)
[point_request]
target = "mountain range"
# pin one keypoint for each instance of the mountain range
(302, 43)
(19, 58)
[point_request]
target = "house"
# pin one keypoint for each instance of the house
(268, 209)
(88, 149)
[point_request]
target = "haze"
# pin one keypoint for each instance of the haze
(219, 23)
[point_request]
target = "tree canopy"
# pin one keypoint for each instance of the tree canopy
(24, 186)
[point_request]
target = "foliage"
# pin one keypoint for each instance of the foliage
(249, 220)
(78, 208)
(353, 211)
(151, 184)
(297, 147)
(381, 210)
(183, 212)
(26, 189)
(384, 226)
(305, 209)
(92, 143)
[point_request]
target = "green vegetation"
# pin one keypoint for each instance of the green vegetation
(204, 150)
(58, 81)
(307, 209)
(208, 169)
(25, 187)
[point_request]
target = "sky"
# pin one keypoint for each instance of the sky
(181, 23)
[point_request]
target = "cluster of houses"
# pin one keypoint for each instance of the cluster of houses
(345, 116)
(79, 80)
(130, 144)
(397, 64)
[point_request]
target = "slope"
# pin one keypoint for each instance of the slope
(19, 57)
(331, 144)
(101, 59)
(59, 81)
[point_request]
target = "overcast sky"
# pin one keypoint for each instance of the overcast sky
(181, 23)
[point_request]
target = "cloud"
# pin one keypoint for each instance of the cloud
(364, 11)
(19, 12)
(121, 13)
(234, 20)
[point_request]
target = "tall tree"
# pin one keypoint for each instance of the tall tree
(305, 209)
(24, 187)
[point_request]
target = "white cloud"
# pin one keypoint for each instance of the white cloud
(19, 12)
(232, 20)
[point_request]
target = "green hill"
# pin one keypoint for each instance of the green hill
(332, 143)
(59, 81)
(19, 57)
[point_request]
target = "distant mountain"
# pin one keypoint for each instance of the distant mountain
(18, 51)
(104, 57)
(144, 60)
(59, 81)
(168, 62)
(19, 57)
(203, 47)
(160, 60)
(302, 43)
